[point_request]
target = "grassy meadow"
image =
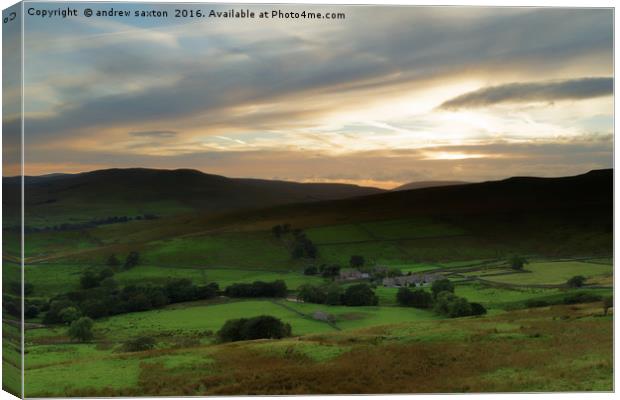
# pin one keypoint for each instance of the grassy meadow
(528, 332)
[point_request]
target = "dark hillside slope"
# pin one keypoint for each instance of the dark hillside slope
(114, 192)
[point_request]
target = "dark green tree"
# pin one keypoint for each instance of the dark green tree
(359, 295)
(81, 329)
(517, 262)
(133, 259)
(442, 285)
(356, 261)
(576, 281)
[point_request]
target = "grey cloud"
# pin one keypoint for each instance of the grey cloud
(154, 134)
(573, 89)
(366, 52)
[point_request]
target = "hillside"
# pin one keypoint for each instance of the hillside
(116, 192)
(427, 184)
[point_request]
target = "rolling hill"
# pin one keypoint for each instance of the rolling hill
(427, 184)
(113, 192)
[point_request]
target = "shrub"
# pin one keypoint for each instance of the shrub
(477, 309)
(141, 343)
(581, 298)
(132, 260)
(81, 329)
(450, 305)
(576, 281)
(261, 327)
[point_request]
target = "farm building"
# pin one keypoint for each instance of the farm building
(410, 280)
(352, 274)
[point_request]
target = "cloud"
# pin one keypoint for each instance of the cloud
(154, 134)
(573, 89)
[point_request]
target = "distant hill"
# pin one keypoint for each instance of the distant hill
(113, 192)
(426, 184)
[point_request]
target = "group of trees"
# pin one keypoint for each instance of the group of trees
(441, 298)
(257, 289)
(261, 327)
(105, 300)
(301, 246)
(326, 271)
(355, 295)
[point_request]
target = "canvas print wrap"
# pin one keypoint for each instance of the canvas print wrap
(230, 199)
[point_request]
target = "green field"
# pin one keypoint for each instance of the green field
(553, 272)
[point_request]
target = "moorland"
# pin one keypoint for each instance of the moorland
(160, 282)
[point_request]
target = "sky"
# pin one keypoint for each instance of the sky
(387, 96)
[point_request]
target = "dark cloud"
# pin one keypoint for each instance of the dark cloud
(154, 134)
(573, 89)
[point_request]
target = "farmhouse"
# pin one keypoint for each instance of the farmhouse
(352, 274)
(410, 280)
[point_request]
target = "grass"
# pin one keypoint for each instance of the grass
(239, 250)
(559, 348)
(553, 272)
(188, 319)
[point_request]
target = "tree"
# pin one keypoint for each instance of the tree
(608, 302)
(113, 261)
(357, 261)
(404, 296)
(81, 329)
(261, 327)
(311, 270)
(69, 314)
(329, 271)
(576, 281)
(448, 304)
(442, 285)
(311, 294)
(277, 231)
(132, 259)
(477, 309)
(89, 280)
(359, 295)
(106, 273)
(334, 295)
(517, 262)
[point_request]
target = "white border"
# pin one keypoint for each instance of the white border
(504, 3)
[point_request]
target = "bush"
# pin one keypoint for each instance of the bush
(576, 281)
(581, 298)
(261, 327)
(359, 295)
(477, 309)
(81, 329)
(442, 285)
(141, 343)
